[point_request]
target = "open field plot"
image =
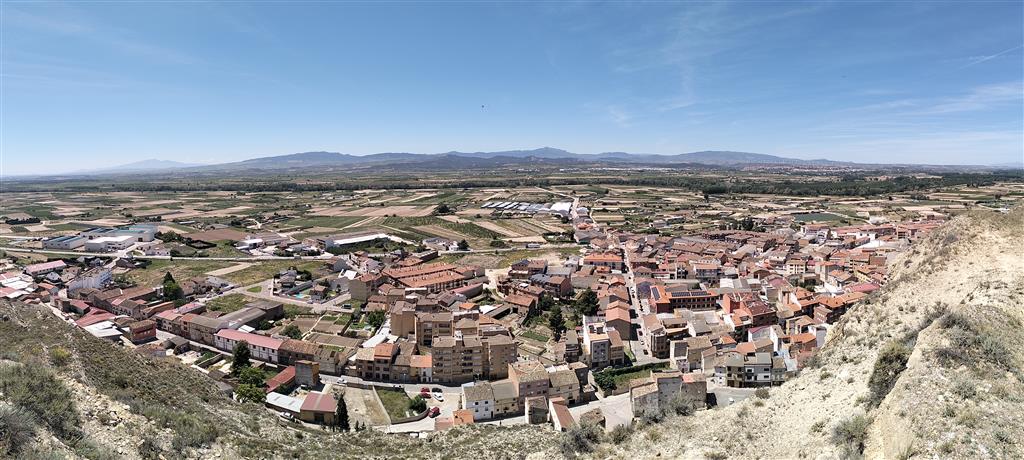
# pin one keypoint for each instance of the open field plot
(818, 217)
(434, 226)
(395, 401)
(229, 303)
(529, 226)
(324, 221)
(363, 407)
(267, 269)
(505, 258)
(396, 211)
(179, 269)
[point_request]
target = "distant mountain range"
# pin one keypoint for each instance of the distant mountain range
(141, 166)
(457, 159)
(328, 161)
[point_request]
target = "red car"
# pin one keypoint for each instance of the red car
(434, 412)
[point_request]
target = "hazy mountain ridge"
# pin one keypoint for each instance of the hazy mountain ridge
(505, 158)
(151, 164)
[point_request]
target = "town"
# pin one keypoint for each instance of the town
(415, 311)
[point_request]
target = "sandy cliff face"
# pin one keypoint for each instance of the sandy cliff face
(955, 305)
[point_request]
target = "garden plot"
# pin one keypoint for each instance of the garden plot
(378, 211)
(234, 211)
(147, 204)
(499, 229)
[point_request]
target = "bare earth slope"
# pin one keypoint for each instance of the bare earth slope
(956, 304)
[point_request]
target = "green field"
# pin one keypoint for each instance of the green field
(180, 269)
(229, 303)
(396, 402)
(265, 270)
(817, 217)
(534, 336)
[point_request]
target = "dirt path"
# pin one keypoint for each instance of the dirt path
(231, 269)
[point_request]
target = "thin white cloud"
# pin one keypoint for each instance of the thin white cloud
(975, 60)
(117, 39)
(980, 98)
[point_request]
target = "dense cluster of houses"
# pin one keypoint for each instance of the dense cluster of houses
(723, 307)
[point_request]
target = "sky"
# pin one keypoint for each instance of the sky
(89, 85)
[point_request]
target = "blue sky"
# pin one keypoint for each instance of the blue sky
(90, 85)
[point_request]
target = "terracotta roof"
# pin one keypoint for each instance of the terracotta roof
(282, 378)
(319, 402)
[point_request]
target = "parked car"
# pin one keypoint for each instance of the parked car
(434, 412)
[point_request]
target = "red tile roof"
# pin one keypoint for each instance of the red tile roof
(319, 402)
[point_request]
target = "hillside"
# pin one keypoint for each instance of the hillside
(954, 309)
(64, 393)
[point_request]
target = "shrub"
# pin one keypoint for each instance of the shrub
(818, 426)
(16, 430)
(970, 345)
(621, 433)
(891, 362)
(579, 439)
(851, 433)
(37, 391)
(417, 404)
(189, 431)
(59, 356)
(292, 331)
(250, 393)
(88, 449)
(762, 393)
(964, 389)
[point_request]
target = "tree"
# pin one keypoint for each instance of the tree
(292, 331)
(443, 209)
(168, 277)
(417, 404)
(252, 376)
(463, 245)
(172, 291)
(250, 393)
(376, 318)
(556, 322)
(587, 304)
(242, 357)
(341, 416)
(546, 302)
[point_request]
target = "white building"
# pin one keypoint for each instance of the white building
(67, 243)
(109, 243)
(478, 397)
(95, 278)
